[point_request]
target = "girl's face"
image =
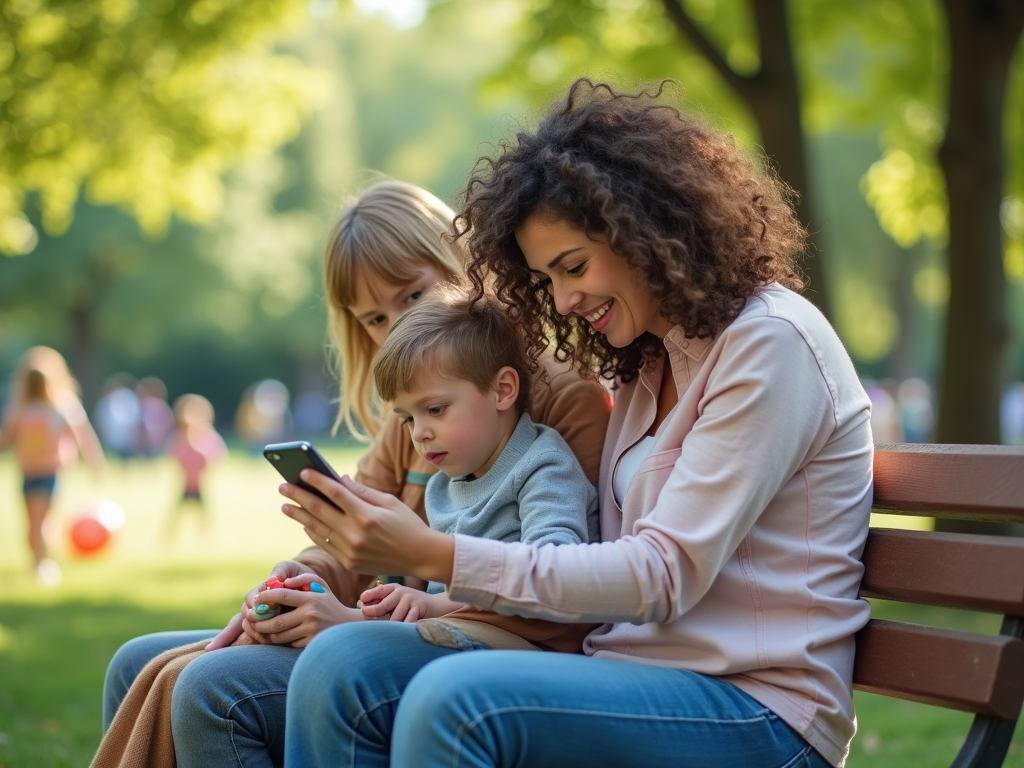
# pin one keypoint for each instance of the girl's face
(585, 276)
(379, 304)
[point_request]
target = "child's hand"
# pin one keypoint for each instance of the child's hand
(402, 603)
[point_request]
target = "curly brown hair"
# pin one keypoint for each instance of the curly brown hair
(674, 197)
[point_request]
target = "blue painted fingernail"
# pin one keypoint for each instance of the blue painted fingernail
(262, 608)
(314, 587)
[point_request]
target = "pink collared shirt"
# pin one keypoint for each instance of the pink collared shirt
(736, 551)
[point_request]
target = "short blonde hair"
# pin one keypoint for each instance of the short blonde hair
(391, 231)
(450, 333)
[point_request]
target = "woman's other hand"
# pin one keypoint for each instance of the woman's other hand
(369, 531)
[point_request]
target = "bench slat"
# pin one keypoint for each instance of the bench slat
(972, 572)
(971, 672)
(974, 482)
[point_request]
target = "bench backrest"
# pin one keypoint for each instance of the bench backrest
(969, 671)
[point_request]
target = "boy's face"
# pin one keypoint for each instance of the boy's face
(454, 425)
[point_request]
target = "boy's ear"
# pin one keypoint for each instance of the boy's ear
(506, 386)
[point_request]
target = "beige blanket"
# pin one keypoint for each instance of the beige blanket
(140, 734)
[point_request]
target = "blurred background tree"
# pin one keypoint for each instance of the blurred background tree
(216, 285)
(949, 80)
(144, 103)
(213, 306)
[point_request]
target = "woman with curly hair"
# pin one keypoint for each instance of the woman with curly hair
(735, 481)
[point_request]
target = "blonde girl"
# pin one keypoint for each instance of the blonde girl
(387, 248)
(46, 424)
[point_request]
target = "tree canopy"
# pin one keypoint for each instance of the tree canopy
(942, 83)
(144, 104)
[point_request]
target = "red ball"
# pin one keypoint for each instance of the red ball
(88, 535)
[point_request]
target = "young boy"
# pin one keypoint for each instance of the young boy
(454, 371)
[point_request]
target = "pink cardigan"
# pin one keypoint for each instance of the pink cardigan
(737, 549)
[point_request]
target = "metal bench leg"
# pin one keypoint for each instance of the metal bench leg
(989, 738)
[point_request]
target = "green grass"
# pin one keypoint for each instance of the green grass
(55, 643)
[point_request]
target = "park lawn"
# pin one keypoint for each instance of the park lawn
(55, 643)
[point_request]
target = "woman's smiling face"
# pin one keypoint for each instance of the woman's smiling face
(586, 277)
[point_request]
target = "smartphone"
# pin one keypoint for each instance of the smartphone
(291, 458)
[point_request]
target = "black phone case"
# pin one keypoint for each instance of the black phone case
(291, 458)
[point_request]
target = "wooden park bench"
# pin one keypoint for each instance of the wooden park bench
(968, 671)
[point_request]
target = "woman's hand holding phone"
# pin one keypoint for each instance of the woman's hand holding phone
(376, 532)
(291, 458)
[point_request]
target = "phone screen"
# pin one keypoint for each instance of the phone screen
(291, 458)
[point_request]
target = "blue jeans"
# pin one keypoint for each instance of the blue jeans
(228, 706)
(410, 704)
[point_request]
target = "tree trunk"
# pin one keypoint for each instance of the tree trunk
(83, 357)
(83, 302)
(983, 35)
(774, 99)
(773, 96)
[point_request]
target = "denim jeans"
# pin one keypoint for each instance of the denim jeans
(409, 704)
(228, 706)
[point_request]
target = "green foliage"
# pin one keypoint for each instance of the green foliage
(620, 41)
(144, 103)
(417, 110)
(905, 69)
(213, 309)
(1013, 205)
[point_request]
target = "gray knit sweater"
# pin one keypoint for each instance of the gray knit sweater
(535, 493)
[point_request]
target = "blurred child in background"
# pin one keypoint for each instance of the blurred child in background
(195, 445)
(45, 422)
(263, 416)
(156, 419)
(117, 416)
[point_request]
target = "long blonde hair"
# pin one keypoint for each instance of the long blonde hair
(49, 370)
(391, 231)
